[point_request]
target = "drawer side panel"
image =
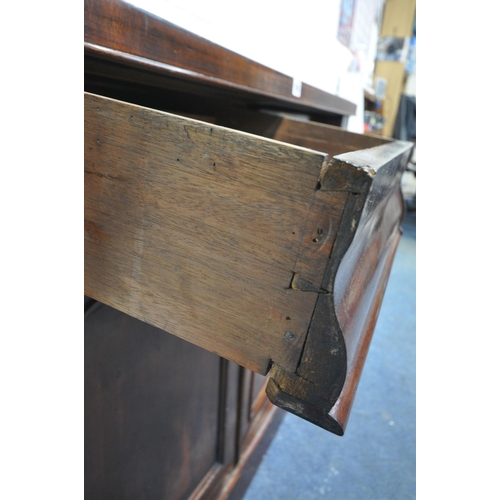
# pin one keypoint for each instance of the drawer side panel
(196, 229)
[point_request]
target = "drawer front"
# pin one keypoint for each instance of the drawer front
(233, 242)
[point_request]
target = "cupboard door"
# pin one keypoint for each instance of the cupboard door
(154, 424)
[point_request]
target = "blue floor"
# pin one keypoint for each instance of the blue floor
(375, 460)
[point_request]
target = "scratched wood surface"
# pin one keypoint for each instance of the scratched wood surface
(200, 230)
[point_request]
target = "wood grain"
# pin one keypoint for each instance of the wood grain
(196, 229)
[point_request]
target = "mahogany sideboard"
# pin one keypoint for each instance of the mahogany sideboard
(238, 242)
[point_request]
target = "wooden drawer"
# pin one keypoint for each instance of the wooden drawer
(273, 252)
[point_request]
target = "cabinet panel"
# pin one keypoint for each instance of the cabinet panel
(151, 410)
